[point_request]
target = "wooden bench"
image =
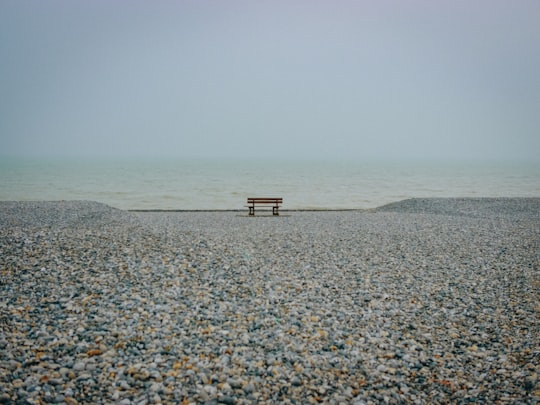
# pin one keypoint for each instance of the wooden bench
(265, 202)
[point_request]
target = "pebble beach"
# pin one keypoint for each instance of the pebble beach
(424, 301)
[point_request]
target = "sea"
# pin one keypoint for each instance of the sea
(224, 184)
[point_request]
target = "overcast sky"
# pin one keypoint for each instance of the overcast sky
(337, 79)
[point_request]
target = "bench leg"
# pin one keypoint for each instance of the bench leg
(275, 210)
(251, 211)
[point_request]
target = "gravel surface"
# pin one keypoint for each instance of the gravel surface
(421, 301)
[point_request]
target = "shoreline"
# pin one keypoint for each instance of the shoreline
(262, 209)
(420, 301)
(398, 205)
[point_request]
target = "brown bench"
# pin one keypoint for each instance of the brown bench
(265, 202)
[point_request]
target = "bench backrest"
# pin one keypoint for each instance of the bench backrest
(265, 200)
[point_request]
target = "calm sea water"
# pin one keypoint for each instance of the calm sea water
(225, 184)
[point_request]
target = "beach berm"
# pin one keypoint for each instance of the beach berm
(421, 301)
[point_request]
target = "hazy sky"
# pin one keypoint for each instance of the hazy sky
(350, 79)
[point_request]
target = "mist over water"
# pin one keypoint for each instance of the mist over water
(295, 79)
(225, 184)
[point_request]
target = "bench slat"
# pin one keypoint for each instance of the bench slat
(264, 203)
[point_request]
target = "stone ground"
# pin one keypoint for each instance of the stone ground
(421, 301)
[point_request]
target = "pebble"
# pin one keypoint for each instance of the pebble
(421, 301)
